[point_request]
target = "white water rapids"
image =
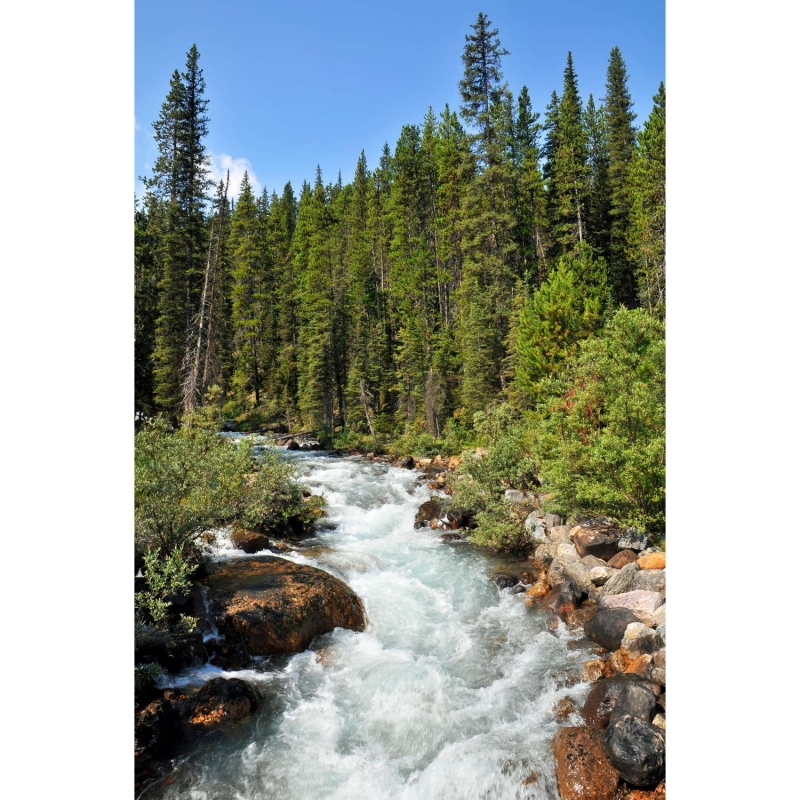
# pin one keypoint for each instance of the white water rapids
(448, 695)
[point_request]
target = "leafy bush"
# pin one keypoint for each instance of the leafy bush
(165, 579)
(603, 442)
(191, 480)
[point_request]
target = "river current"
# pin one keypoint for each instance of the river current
(449, 694)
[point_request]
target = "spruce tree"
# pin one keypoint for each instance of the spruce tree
(621, 141)
(568, 167)
(648, 218)
(180, 179)
(598, 202)
(248, 296)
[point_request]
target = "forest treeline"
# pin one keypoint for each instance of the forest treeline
(460, 270)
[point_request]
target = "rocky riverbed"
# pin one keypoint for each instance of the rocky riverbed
(385, 657)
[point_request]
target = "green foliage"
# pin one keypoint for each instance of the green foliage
(501, 528)
(567, 308)
(192, 480)
(603, 444)
(503, 461)
(272, 496)
(166, 578)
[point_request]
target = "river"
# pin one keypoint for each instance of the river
(448, 695)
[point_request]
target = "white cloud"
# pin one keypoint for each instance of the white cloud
(222, 162)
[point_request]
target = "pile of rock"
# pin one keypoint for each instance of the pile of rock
(612, 583)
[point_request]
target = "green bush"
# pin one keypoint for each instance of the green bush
(191, 480)
(603, 441)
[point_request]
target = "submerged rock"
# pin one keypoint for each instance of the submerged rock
(582, 767)
(173, 651)
(271, 605)
(405, 462)
(561, 598)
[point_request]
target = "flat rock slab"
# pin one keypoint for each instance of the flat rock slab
(271, 605)
(643, 604)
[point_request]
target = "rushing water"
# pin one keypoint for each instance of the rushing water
(448, 695)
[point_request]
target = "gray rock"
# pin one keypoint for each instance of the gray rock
(637, 749)
(544, 554)
(654, 549)
(567, 565)
(632, 539)
(622, 581)
(535, 528)
(635, 699)
(608, 626)
(640, 640)
(661, 630)
(643, 604)
(552, 520)
(517, 497)
(560, 534)
(657, 674)
(660, 615)
(600, 575)
(651, 580)
(593, 561)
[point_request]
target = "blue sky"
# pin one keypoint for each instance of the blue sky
(293, 85)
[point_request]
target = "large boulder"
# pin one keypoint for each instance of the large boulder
(633, 539)
(249, 541)
(271, 605)
(582, 767)
(603, 696)
(567, 565)
(640, 640)
(600, 541)
(621, 582)
(637, 749)
(503, 579)
(643, 604)
(222, 701)
(651, 580)
(608, 626)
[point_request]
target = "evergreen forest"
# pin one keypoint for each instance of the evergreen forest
(495, 280)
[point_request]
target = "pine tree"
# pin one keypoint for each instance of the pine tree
(648, 218)
(568, 168)
(180, 179)
(621, 141)
(568, 307)
(249, 297)
(487, 223)
(597, 213)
